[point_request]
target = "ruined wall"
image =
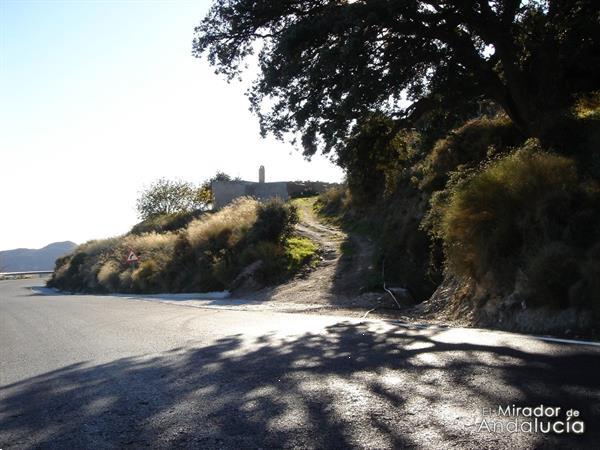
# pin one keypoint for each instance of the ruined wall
(226, 191)
(307, 188)
(266, 191)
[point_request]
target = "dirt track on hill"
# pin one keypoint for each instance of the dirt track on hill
(339, 278)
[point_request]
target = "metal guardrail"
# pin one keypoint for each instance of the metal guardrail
(10, 275)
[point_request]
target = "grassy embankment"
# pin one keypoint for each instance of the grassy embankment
(506, 226)
(192, 252)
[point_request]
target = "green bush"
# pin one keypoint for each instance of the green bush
(333, 201)
(469, 145)
(488, 216)
(374, 157)
(272, 258)
(108, 276)
(147, 277)
(275, 221)
(299, 251)
(527, 211)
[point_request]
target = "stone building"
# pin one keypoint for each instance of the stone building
(226, 191)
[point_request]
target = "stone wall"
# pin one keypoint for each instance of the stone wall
(308, 188)
(226, 191)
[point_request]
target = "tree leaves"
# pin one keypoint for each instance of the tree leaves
(168, 197)
(327, 64)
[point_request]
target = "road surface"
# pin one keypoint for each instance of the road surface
(98, 372)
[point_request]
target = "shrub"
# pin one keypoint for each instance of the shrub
(98, 247)
(488, 216)
(231, 251)
(333, 201)
(126, 280)
(156, 246)
(299, 251)
(75, 273)
(166, 222)
(588, 106)
(373, 157)
(529, 212)
(277, 261)
(108, 276)
(218, 247)
(468, 145)
(272, 257)
(232, 221)
(275, 221)
(147, 277)
(99, 265)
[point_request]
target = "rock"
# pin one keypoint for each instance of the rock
(520, 293)
(403, 296)
(246, 280)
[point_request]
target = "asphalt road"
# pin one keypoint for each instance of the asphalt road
(96, 372)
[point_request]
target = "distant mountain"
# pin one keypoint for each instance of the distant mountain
(26, 259)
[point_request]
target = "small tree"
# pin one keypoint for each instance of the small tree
(206, 193)
(168, 197)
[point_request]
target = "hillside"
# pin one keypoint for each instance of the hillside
(25, 259)
(244, 243)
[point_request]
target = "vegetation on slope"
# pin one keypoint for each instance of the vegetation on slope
(516, 223)
(489, 177)
(207, 253)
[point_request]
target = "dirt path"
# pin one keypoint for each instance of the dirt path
(340, 276)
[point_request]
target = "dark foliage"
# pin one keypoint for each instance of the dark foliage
(372, 157)
(275, 221)
(528, 213)
(326, 64)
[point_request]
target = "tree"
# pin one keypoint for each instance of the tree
(169, 197)
(326, 64)
(206, 192)
(371, 157)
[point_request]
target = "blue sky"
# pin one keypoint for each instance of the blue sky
(100, 98)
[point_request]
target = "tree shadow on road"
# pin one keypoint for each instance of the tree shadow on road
(352, 386)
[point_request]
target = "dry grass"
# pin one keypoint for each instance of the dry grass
(149, 244)
(482, 222)
(99, 246)
(108, 276)
(206, 255)
(234, 220)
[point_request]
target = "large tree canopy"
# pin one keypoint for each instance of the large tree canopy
(325, 64)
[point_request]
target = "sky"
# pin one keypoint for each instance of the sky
(100, 98)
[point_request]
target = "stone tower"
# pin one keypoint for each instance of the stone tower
(261, 174)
